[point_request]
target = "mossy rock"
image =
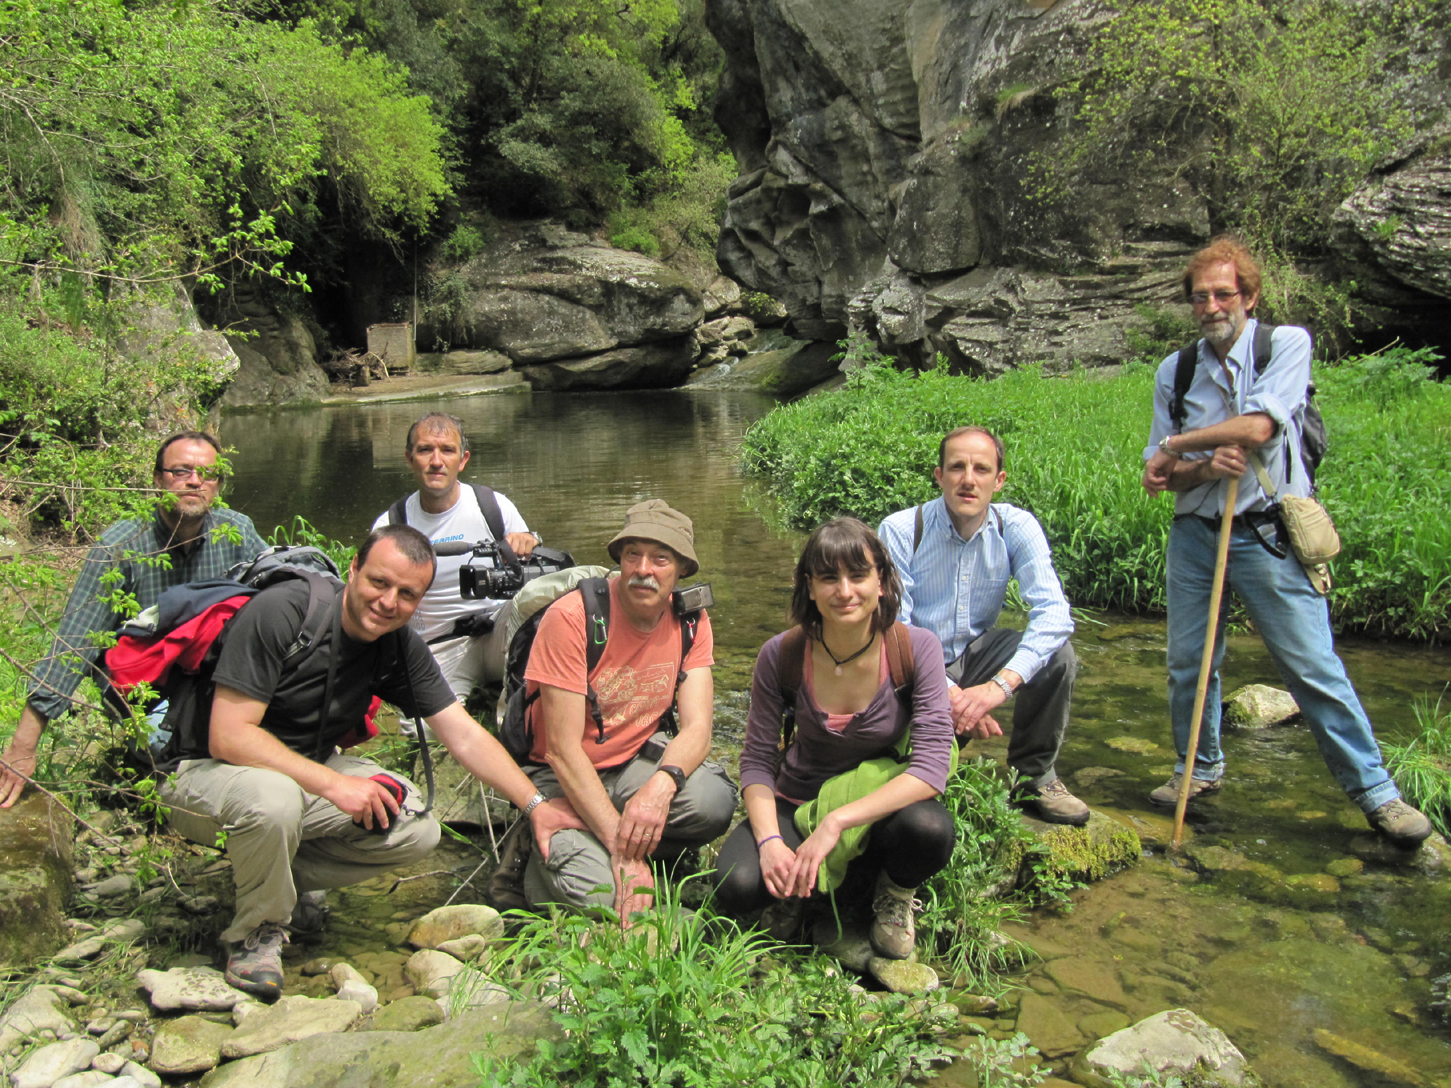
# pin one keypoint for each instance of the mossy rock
(1090, 852)
(35, 879)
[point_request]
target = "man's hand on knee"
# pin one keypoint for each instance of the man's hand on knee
(552, 816)
(642, 822)
(972, 710)
(366, 801)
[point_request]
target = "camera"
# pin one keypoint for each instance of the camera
(493, 570)
(692, 598)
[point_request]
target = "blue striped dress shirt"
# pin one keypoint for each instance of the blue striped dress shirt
(955, 588)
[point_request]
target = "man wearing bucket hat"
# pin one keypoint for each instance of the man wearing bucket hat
(643, 792)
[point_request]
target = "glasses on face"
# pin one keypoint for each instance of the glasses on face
(1224, 298)
(201, 472)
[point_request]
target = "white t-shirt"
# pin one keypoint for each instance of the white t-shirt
(442, 604)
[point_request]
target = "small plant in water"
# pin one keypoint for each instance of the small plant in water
(1004, 1063)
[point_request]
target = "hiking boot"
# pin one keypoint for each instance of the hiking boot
(1400, 823)
(506, 886)
(1055, 804)
(1168, 794)
(254, 964)
(309, 915)
(782, 918)
(894, 934)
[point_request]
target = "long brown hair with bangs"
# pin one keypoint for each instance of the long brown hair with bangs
(849, 543)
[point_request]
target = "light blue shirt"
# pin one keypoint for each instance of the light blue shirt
(955, 588)
(1279, 393)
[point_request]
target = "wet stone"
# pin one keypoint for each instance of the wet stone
(1257, 706)
(291, 1019)
(188, 1044)
(467, 948)
(1170, 1042)
(189, 988)
(1097, 1025)
(110, 1064)
(1092, 978)
(1131, 744)
(1367, 1059)
(407, 1014)
(1043, 1022)
(452, 922)
(903, 976)
(431, 972)
(42, 1009)
(1343, 867)
(1320, 882)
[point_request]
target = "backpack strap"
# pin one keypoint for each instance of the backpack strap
(398, 512)
(596, 595)
(1183, 379)
(901, 661)
(689, 626)
(489, 507)
(790, 667)
(320, 594)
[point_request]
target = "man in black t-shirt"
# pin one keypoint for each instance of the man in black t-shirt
(299, 816)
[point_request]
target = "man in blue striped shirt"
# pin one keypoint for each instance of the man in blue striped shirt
(955, 556)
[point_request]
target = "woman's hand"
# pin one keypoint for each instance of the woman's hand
(811, 854)
(777, 860)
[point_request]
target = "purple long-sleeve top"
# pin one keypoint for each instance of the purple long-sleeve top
(818, 753)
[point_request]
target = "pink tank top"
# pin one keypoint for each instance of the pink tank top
(837, 723)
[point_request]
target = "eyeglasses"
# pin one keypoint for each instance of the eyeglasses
(1224, 298)
(201, 472)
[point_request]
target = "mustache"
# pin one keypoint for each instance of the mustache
(645, 581)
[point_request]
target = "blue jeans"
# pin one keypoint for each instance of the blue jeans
(1294, 622)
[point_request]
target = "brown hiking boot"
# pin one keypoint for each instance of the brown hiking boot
(254, 964)
(1054, 803)
(1399, 822)
(894, 933)
(506, 886)
(1168, 794)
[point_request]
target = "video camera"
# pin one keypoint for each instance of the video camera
(494, 570)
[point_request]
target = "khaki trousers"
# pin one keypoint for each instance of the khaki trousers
(282, 840)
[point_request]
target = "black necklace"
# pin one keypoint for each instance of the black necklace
(840, 661)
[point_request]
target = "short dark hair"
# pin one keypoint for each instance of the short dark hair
(184, 436)
(950, 435)
(436, 421)
(408, 540)
(1225, 249)
(849, 543)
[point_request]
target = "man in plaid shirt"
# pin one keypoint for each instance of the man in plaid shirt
(185, 540)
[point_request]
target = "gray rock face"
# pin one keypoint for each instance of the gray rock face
(1256, 706)
(407, 1014)
(278, 361)
(42, 1009)
(35, 879)
(50, 1063)
(649, 366)
(1171, 1042)
(886, 150)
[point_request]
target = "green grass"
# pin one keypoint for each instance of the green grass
(1074, 458)
(1422, 767)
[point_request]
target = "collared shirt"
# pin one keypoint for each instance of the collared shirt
(1279, 393)
(134, 547)
(955, 588)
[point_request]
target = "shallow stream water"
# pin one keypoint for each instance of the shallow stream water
(1280, 918)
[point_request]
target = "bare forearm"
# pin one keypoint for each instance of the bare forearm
(28, 730)
(1249, 431)
(761, 811)
(246, 745)
(582, 786)
(481, 754)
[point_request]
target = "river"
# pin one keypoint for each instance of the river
(1294, 925)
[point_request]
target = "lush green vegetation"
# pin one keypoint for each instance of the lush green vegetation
(690, 999)
(1272, 111)
(1074, 456)
(1422, 767)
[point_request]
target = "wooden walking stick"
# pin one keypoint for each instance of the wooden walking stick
(1206, 664)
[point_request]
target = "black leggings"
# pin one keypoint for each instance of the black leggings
(909, 846)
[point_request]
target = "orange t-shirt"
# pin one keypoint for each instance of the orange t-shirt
(635, 679)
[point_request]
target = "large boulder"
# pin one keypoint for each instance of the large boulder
(35, 879)
(1175, 1042)
(276, 349)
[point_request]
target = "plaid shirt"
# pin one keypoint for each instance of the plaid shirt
(126, 546)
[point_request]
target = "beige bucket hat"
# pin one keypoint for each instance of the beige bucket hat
(654, 519)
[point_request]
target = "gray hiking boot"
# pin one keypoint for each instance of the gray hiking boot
(894, 933)
(1168, 794)
(1055, 804)
(254, 964)
(309, 915)
(1400, 823)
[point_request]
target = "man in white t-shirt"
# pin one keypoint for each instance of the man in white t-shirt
(446, 511)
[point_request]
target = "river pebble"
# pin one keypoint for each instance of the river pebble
(407, 1014)
(1257, 706)
(40, 1010)
(88, 948)
(50, 1063)
(451, 922)
(903, 976)
(110, 1064)
(141, 1075)
(188, 1044)
(291, 1019)
(1170, 1042)
(189, 988)
(431, 972)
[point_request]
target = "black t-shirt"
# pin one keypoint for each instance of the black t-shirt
(251, 661)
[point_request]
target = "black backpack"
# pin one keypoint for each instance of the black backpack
(488, 506)
(1313, 440)
(516, 732)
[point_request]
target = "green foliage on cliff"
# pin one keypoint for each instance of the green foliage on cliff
(1074, 458)
(1272, 111)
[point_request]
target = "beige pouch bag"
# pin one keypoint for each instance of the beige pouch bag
(1312, 534)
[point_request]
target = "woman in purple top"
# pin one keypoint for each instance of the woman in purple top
(845, 595)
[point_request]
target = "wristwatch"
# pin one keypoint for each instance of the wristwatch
(676, 775)
(1164, 446)
(1007, 687)
(537, 800)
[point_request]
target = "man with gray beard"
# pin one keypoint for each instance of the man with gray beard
(600, 735)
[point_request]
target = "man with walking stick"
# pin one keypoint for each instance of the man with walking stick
(1234, 413)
